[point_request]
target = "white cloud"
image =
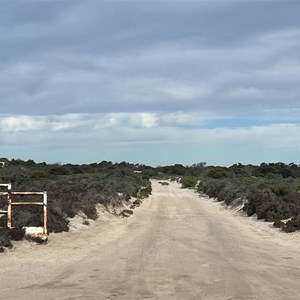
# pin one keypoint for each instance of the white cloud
(120, 135)
(148, 120)
(21, 123)
(178, 128)
(69, 121)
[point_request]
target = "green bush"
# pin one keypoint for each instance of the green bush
(230, 193)
(278, 224)
(4, 238)
(59, 170)
(280, 190)
(17, 234)
(211, 187)
(38, 174)
(217, 173)
(188, 181)
(292, 225)
(90, 211)
(146, 191)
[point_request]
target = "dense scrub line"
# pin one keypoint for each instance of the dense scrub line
(71, 189)
(269, 191)
(264, 199)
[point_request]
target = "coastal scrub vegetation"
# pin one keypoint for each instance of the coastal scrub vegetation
(188, 181)
(270, 191)
(71, 189)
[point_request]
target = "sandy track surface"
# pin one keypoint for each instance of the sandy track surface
(175, 246)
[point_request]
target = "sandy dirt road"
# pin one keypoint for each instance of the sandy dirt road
(175, 246)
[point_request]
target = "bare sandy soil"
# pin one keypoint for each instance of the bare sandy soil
(175, 246)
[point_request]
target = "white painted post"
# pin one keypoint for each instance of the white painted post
(9, 206)
(45, 213)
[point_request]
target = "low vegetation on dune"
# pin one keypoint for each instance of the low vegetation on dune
(71, 189)
(269, 191)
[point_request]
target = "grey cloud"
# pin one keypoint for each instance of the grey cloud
(113, 56)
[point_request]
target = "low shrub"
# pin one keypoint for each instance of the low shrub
(211, 187)
(188, 181)
(292, 225)
(38, 174)
(59, 170)
(146, 191)
(272, 200)
(126, 213)
(16, 234)
(4, 238)
(57, 223)
(267, 206)
(229, 193)
(90, 211)
(86, 222)
(137, 202)
(278, 224)
(163, 182)
(217, 173)
(280, 190)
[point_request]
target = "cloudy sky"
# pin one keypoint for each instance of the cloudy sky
(153, 82)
